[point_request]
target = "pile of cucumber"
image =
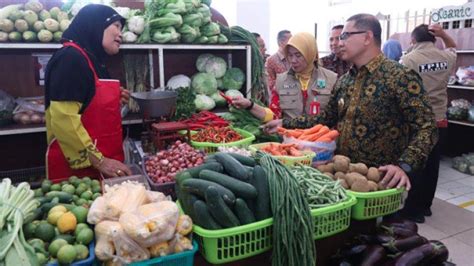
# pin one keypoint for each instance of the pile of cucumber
(228, 190)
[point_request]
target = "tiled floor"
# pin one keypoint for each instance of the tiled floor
(453, 215)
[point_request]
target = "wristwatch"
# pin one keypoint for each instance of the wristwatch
(405, 167)
(250, 106)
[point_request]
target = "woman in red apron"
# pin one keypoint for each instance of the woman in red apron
(83, 122)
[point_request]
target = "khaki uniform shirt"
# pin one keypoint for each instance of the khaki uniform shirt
(289, 91)
(434, 66)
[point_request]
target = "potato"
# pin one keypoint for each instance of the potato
(373, 174)
(341, 157)
(359, 168)
(340, 175)
(373, 186)
(341, 165)
(344, 183)
(330, 175)
(326, 168)
(380, 186)
(353, 177)
(360, 186)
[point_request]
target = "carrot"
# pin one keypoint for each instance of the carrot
(333, 134)
(324, 130)
(313, 130)
(324, 139)
(294, 152)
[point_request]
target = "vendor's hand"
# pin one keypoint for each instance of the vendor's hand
(240, 102)
(124, 96)
(113, 168)
(436, 30)
(272, 126)
(394, 176)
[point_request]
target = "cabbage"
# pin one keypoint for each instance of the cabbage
(213, 39)
(136, 24)
(222, 39)
(3, 36)
(31, 17)
(233, 79)
(129, 37)
(179, 81)
(34, 5)
(218, 99)
(204, 102)
(54, 12)
(45, 36)
(39, 25)
(21, 25)
(201, 62)
(6, 25)
(210, 29)
(62, 16)
(201, 39)
(51, 25)
(194, 19)
(16, 14)
(64, 24)
(219, 83)
(44, 15)
(234, 93)
(188, 33)
(29, 36)
(204, 83)
(216, 66)
(14, 36)
(57, 36)
(123, 11)
(166, 35)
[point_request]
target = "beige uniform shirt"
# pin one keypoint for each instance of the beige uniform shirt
(434, 66)
(289, 91)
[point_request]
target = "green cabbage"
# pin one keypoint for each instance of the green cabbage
(39, 25)
(29, 36)
(218, 99)
(45, 36)
(233, 79)
(57, 36)
(202, 39)
(51, 25)
(167, 35)
(234, 93)
(14, 36)
(169, 19)
(194, 19)
(219, 83)
(204, 83)
(6, 25)
(3, 36)
(210, 29)
(31, 17)
(213, 39)
(204, 102)
(34, 5)
(216, 66)
(64, 24)
(54, 12)
(16, 14)
(21, 25)
(44, 15)
(188, 33)
(222, 39)
(201, 62)
(179, 81)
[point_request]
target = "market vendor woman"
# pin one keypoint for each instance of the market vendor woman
(83, 122)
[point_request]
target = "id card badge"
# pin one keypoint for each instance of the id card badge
(314, 107)
(321, 83)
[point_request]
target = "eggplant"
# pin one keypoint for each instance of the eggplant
(404, 244)
(373, 255)
(407, 224)
(353, 251)
(398, 231)
(433, 252)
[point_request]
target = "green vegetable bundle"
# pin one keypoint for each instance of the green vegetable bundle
(185, 106)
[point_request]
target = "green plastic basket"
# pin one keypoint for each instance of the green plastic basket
(209, 148)
(375, 204)
(332, 219)
(307, 159)
(185, 258)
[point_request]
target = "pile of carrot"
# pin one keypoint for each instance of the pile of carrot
(281, 149)
(319, 133)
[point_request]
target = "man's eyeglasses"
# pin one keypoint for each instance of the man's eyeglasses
(347, 34)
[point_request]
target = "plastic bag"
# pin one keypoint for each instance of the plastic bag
(126, 197)
(155, 196)
(96, 212)
(466, 75)
(180, 243)
(324, 150)
(29, 111)
(461, 103)
(7, 105)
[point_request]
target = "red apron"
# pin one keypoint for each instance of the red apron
(103, 122)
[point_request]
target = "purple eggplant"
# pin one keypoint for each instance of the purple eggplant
(398, 231)
(407, 224)
(404, 244)
(373, 255)
(433, 252)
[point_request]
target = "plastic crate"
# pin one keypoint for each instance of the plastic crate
(375, 204)
(185, 258)
(209, 148)
(86, 262)
(34, 176)
(165, 188)
(307, 159)
(332, 219)
(236, 243)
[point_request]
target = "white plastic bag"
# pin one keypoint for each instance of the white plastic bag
(324, 150)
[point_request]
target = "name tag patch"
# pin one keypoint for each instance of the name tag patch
(433, 67)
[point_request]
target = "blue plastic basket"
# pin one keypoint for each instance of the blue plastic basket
(87, 262)
(185, 258)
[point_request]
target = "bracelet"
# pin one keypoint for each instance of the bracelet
(101, 160)
(250, 106)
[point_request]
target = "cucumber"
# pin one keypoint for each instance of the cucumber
(210, 166)
(243, 212)
(203, 217)
(245, 160)
(262, 202)
(210, 158)
(241, 189)
(48, 206)
(63, 197)
(219, 210)
(186, 200)
(42, 200)
(199, 187)
(180, 177)
(231, 166)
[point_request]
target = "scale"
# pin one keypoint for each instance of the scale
(157, 107)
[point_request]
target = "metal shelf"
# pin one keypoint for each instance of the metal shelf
(465, 51)
(469, 124)
(461, 87)
(130, 46)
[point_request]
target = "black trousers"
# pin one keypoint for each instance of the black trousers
(424, 182)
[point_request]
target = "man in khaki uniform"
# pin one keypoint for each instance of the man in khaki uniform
(434, 66)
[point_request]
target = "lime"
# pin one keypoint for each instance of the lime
(95, 183)
(67, 254)
(38, 193)
(87, 195)
(29, 230)
(58, 208)
(54, 216)
(79, 228)
(80, 213)
(87, 180)
(96, 195)
(85, 236)
(46, 185)
(69, 238)
(96, 189)
(82, 252)
(55, 246)
(56, 187)
(73, 178)
(37, 244)
(69, 189)
(42, 259)
(80, 202)
(75, 197)
(64, 183)
(81, 188)
(45, 232)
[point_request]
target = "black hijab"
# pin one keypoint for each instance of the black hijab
(87, 28)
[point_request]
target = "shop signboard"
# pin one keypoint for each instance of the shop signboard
(453, 13)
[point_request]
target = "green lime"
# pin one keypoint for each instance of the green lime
(55, 246)
(69, 238)
(80, 213)
(42, 259)
(67, 254)
(95, 183)
(82, 252)
(56, 187)
(96, 195)
(45, 232)
(29, 230)
(64, 183)
(96, 189)
(73, 178)
(85, 236)
(38, 192)
(46, 185)
(69, 189)
(37, 244)
(87, 180)
(54, 216)
(75, 197)
(80, 202)
(81, 188)
(79, 228)
(87, 195)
